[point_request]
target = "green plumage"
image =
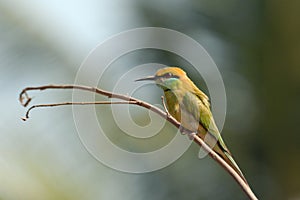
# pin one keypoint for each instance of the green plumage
(191, 107)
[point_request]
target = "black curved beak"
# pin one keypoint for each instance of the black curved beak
(148, 78)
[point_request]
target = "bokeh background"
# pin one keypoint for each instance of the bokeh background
(255, 45)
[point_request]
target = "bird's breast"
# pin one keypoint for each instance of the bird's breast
(173, 105)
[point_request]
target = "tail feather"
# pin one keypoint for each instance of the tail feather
(223, 151)
(220, 148)
(229, 160)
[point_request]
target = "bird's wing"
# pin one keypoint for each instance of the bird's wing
(201, 111)
(197, 108)
(195, 105)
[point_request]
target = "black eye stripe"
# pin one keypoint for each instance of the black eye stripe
(168, 75)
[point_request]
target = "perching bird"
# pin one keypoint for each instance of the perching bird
(191, 107)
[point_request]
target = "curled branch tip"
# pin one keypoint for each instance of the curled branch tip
(24, 96)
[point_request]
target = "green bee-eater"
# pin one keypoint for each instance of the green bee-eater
(191, 107)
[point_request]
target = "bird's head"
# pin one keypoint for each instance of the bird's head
(169, 78)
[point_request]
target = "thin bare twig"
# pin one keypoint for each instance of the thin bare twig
(130, 100)
(72, 103)
(164, 105)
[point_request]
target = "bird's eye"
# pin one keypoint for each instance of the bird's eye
(168, 75)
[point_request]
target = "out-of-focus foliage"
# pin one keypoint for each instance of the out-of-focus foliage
(255, 44)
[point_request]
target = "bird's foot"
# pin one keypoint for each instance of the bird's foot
(190, 134)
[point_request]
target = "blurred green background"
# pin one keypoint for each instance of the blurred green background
(255, 45)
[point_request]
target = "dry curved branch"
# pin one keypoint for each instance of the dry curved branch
(130, 100)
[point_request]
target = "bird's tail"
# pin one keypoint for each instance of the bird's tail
(220, 148)
(230, 161)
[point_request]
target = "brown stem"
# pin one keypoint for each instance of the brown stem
(130, 100)
(72, 103)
